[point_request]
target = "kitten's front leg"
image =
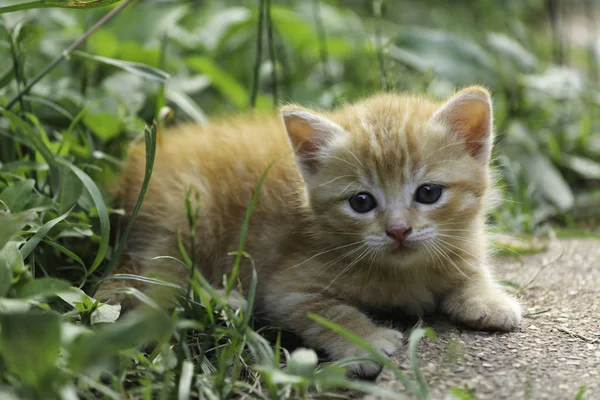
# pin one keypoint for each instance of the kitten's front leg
(481, 303)
(290, 309)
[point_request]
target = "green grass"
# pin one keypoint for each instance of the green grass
(77, 86)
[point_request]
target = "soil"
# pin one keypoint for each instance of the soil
(555, 352)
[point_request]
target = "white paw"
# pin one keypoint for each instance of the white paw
(496, 312)
(386, 341)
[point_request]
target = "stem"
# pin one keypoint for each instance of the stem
(256, 78)
(46, 4)
(322, 43)
(552, 8)
(16, 67)
(272, 55)
(69, 50)
(379, 46)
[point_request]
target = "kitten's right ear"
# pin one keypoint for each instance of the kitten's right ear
(310, 135)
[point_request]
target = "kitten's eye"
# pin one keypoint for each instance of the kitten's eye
(362, 202)
(428, 194)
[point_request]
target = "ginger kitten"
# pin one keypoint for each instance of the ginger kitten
(378, 204)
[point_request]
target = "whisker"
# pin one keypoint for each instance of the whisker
(335, 179)
(346, 161)
(347, 268)
(441, 241)
(356, 158)
(442, 253)
(330, 264)
(324, 252)
(434, 252)
(444, 245)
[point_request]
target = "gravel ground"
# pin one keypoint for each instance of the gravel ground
(557, 349)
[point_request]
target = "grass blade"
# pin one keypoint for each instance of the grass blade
(98, 200)
(66, 252)
(185, 381)
(380, 358)
(150, 140)
(57, 3)
(245, 225)
(31, 244)
(413, 342)
(142, 70)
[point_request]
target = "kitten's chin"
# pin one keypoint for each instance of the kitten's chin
(403, 250)
(405, 255)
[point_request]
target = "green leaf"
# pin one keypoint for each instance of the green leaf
(30, 343)
(70, 189)
(450, 56)
(105, 313)
(8, 306)
(5, 277)
(134, 330)
(58, 3)
(142, 70)
(102, 314)
(8, 393)
(102, 212)
(510, 50)
(7, 77)
(459, 393)
(35, 141)
(65, 251)
(585, 167)
(41, 287)
(17, 195)
(10, 225)
(220, 79)
(11, 262)
(187, 105)
(104, 125)
(31, 244)
(548, 180)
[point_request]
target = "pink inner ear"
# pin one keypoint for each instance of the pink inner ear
(468, 114)
(307, 152)
(476, 127)
(304, 140)
(309, 133)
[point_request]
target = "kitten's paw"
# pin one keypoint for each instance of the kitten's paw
(387, 341)
(495, 312)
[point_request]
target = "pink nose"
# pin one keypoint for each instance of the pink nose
(399, 233)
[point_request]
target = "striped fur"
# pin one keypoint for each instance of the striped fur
(312, 251)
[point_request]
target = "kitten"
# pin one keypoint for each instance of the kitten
(378, 204)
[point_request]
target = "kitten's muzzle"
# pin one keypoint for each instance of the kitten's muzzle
(399, 233)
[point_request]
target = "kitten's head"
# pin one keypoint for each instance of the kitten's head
(397, 174)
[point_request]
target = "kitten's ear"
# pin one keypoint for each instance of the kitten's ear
(310, 135)
(469, 115)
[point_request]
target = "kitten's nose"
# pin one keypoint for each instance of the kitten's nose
(399, 233)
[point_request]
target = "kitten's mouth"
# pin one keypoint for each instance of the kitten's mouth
(403, 248)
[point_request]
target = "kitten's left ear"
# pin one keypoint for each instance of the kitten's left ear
(469, 115)
(310, 135)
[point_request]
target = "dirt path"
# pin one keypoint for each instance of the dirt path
(557, 349)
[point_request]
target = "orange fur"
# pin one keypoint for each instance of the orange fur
(312, 251)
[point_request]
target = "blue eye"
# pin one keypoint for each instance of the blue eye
(428, 194)
(362, 202)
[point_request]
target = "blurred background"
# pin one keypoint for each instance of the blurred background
(67, 117)
(539, 57)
